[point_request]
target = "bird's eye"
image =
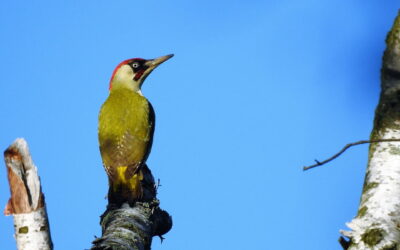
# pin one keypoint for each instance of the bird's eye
(135, 65)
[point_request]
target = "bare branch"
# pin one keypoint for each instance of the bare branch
(318, 163)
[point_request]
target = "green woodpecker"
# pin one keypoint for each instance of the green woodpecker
(126, 127)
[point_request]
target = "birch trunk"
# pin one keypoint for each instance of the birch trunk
(377, 224)
(27, 200)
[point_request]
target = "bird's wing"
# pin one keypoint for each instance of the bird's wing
(144, 142)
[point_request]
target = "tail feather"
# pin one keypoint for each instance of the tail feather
(123, 189)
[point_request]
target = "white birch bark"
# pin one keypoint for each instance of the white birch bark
(31, 230)
(377, 224)
(27, 201)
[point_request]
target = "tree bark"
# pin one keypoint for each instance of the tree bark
(377, 224)
(132, 226)
(27, 203)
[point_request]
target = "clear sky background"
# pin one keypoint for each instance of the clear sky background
(256, 90)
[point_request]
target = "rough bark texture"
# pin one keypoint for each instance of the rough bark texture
(377, 223)
(132, 226)
(27, 201)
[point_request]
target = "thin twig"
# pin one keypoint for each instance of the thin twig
(318, 163)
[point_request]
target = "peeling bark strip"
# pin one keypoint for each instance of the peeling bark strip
(376, 225)
(27, 201)
(133, 226)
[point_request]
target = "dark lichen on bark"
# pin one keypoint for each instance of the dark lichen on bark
(23, 230)
(391, 247)
(394, 150)
(373, 236)
(393, 37)
(370, 185)
(362, 211)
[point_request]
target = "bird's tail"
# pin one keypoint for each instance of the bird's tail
(124, 188)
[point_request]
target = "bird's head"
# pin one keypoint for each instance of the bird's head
(132, 72)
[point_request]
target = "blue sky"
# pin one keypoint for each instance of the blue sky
(255, 91)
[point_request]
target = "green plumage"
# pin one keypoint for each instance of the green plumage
(126, 127)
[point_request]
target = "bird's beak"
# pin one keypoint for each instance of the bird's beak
(152, 64)
(155, 62)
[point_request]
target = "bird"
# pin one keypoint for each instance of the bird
(126, 127)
